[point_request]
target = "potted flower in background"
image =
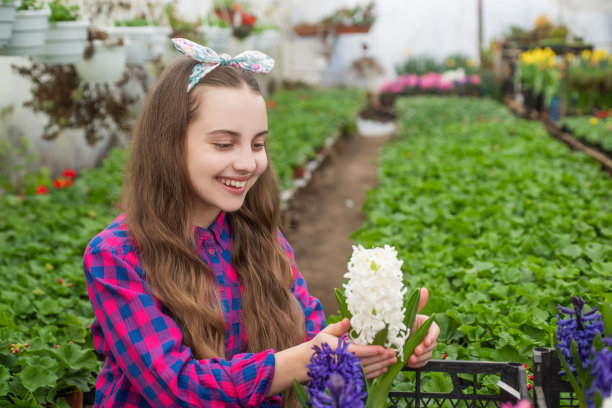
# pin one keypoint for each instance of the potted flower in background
(7, 18)
(29, 29)
(358, 19)
(216, 33)
(66, 35)
(144, 38)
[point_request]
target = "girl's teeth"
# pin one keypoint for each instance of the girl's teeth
(234, 183)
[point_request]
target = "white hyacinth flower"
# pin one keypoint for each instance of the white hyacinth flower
(375, 296)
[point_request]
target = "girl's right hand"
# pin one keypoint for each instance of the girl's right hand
(375, 359)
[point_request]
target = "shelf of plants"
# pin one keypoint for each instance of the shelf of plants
(500, 222)
(595, 130)
(46, 351)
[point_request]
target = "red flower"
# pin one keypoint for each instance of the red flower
(59, 183)
(529, 386)
(271, 103)
(601, 114)
(531, 378)
(42, 190)
(444, 356)
(69, 173)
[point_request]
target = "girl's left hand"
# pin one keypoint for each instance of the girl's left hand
(423, 352)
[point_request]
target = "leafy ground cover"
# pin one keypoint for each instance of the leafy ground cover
(498, 220)
(301, 121)
(593, 129)
(45, 344)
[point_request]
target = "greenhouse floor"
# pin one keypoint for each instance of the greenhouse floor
(324, 214)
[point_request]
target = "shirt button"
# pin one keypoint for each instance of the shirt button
(211, 251)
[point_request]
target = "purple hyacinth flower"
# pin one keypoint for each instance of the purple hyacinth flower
(581, 327)
(601, 371)
(336, 379)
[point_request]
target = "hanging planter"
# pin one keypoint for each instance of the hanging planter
(102, 62)
(137, 42)
(215, 37)
(29, 31)
(7, 18)
(352, 29)
(267, 40)
(64, 43)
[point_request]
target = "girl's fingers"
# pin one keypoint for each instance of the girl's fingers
(374, 369)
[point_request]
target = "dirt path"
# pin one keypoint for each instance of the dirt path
(328, 210)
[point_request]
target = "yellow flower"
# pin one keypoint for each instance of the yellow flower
(469, 62)
(450, 62)
(586, 54)
(570, 57)
(593, 121)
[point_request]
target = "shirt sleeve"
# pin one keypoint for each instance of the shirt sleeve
(313, 310)
(147, 344)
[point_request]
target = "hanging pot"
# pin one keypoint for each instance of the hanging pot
(105, 65)
(28, 35)
(216, 38)
(267, 40)
(7, 19)
(64, 43)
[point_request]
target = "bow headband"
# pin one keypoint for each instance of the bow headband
(251, 60)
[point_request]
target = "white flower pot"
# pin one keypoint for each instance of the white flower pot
(106, 65)
(64, 43)
(236, 46)
(143, 43)
(28, 35)
(216, 38)
(267, 40)
(7, 19)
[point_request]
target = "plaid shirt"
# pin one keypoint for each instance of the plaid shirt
(146, 363)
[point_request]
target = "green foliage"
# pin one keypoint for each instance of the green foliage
(30, 5)
(302, 121)
(44, 307)
(500, 222)
(423, 64)
(596, 131)
(60, 11)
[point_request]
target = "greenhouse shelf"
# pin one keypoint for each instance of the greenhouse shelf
(512, 385)
(550, 391)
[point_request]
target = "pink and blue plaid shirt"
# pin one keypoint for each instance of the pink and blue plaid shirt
(146, 364)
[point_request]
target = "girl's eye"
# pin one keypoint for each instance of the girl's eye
(259, 145)
(223, 146)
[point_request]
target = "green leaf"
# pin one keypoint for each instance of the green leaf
(342, 304)
(302, 396)
(76, 357)
(381, 337)
(569, 376)
(572, 251)
(35, 377)
(412, 307)
(5, 375)
(606, 313)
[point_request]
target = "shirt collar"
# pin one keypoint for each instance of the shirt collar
(219, 230)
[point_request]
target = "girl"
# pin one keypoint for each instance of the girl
(197, 298)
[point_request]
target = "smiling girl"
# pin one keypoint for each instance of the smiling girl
(197, 298)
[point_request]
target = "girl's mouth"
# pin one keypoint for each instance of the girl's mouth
(233, 186)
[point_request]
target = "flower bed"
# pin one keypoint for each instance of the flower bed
(596, 130)
(501, 222)
(46, 350)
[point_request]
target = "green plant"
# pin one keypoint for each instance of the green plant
(135, 22)
(181, 28)
(361, 15)
(30, 5)
(499, 220)
(60, 11)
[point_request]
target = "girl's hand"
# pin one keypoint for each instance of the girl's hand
(375, 359)
(423, 352)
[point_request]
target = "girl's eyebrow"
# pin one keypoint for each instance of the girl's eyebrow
(233, 133)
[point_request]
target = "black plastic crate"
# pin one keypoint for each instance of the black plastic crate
(513, 385)
(549, 389)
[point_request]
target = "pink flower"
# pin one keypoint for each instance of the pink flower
(520, 404)
(474, 79)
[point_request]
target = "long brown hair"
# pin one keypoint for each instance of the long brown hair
(157, 203)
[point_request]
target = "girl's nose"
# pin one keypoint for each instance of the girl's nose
(245, 161)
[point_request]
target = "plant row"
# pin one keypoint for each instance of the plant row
(498, 220)
(46, 350)
(596, 130)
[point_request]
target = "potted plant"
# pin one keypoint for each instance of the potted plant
(179, 29)
(29, 29)
(7, 18)
(267, 37)
(358, 19)
(66, 35)
(104, 59)
(140, 35)
(217, 33)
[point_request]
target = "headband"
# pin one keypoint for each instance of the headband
(251, 60)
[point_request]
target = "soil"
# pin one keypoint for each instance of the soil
(324, 214)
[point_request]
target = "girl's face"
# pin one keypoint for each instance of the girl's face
(225, 149)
